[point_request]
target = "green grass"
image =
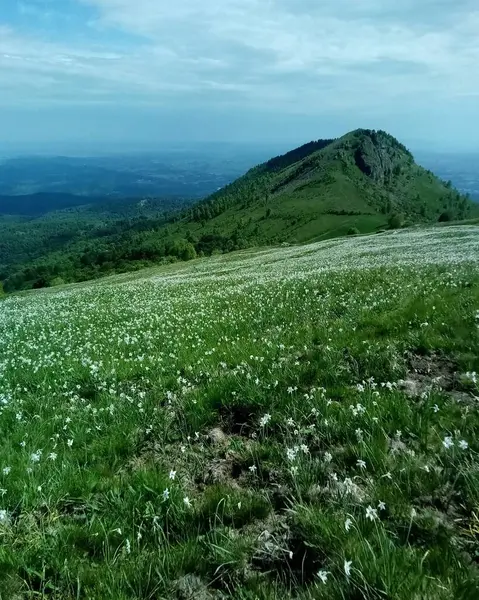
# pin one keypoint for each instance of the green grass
(239, 427)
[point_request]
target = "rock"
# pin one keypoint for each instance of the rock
(191, 587)
(409, 387)
(217, 436)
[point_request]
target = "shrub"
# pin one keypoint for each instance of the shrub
(353, 231)
(445, 217)
(395, 221)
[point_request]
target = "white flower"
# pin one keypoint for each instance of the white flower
(304, 449)
(294, 470)
(252, 469)
(371, 513)
(70, 443)
(323, 575)
(187, 502)
(361, 464)
(447, 442)
(35, 456)
(127, 546)
(463, 445)
(348, 524)
(265, 419)
(435, 408)
(347, 567)
(291, 453)
(172, 474)
(290, 422)
(381, 506)
(52, 456)
(3, 516)
(166, 494)
(6, 470)
(328, 457)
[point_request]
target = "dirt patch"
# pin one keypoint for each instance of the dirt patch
(428, 372)
(239, 419)
(223, 470)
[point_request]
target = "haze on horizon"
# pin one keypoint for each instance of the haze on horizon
(110, 74)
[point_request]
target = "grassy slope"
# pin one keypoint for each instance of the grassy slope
(250, 385)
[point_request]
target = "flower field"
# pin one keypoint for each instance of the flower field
(292, 423)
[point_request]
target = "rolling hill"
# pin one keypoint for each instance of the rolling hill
(362, 182)
(325, 188)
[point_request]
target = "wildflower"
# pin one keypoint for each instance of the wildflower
(348, 524)
(347, 567)
(361, 464)
(328, 457)
(304, 449)
(447, 442)
(381, 506)
(291, 453)
(463, 445)
(70, 443)
(187, 502)
(371, 513)
(290, 422)
(6, 470)
(127, 546)
(435, 408)
(166, 494)
(253, 469)
(35, 456)
(3, 516)
(294, 470)
(265, 419)
(387, 475)
(413, 512)
(323, 575)
(172, 474)
(52, 456)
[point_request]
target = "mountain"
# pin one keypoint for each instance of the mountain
(326, 188)
(363, 182)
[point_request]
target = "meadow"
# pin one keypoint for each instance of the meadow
(298, 423)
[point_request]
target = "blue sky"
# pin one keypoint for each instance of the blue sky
(142, 73)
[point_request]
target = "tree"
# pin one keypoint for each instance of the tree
(445, 217)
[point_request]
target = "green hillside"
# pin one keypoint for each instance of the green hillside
(361, 183)
(326, 188)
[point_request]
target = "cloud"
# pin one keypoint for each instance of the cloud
(284, 55)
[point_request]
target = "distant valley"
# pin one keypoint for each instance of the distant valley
(461, 169)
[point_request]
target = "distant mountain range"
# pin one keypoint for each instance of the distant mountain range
(164, 174)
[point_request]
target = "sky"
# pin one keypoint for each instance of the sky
(144, 73)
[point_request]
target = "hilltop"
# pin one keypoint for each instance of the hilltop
(362, 182)
(328, 187)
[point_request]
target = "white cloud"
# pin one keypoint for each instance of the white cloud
(289, 54)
